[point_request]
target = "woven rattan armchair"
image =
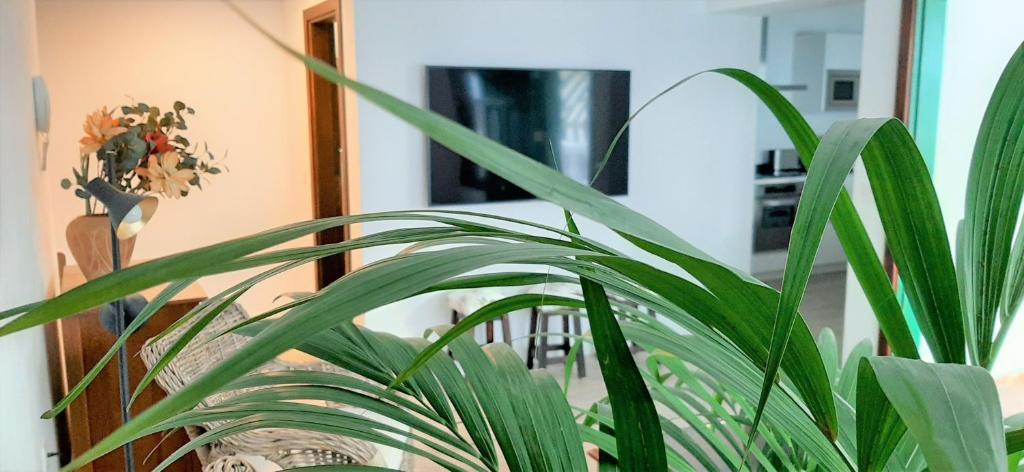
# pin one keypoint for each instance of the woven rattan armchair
(285, 447)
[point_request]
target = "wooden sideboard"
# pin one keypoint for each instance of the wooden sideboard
(76, 344)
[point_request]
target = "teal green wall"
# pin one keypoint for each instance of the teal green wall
(925, 85)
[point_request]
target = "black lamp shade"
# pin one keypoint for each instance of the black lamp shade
(128, 212)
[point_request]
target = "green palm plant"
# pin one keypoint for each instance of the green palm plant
(721, 417)
(718, 411)
(744, 331)
(449, 409)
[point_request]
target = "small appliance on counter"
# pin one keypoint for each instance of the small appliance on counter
(781, 162)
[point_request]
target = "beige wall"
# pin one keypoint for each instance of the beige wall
(25, 269)
(250, 102)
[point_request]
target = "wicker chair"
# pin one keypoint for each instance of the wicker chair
(285, 447)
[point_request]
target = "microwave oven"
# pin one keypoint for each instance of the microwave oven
(842, 88)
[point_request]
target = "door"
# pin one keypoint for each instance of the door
(333, 176)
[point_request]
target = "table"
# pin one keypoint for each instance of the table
(75, 345)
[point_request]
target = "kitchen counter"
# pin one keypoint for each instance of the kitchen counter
(779, 180)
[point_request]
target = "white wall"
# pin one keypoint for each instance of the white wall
(24, 249)
(250, 102)
(690, 156)
(980, 38)
(877, 99)
(768, 7)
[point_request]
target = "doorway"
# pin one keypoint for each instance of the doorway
(334, 160)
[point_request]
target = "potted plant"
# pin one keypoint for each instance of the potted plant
(749, 336)
(139, 151)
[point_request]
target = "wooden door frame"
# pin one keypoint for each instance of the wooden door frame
(919, 34)
(901, 111)
(341, 13)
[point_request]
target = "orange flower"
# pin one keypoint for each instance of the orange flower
(164, 176)
(99, 128)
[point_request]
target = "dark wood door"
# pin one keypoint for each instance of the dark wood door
(327, 137)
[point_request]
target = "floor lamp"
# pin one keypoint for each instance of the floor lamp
(128, 213)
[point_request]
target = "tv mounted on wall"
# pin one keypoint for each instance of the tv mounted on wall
(565, 119)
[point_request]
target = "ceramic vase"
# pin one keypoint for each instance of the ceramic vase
(89, 240)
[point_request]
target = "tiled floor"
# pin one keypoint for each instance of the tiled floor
(823, 301)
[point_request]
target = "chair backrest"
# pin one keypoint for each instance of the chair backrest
(287, 448)
(199, 355)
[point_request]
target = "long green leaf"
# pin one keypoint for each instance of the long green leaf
(847, 384)
(500, 279)
(743, 321)
(349, 382)
(829, 348)
(1015, 433)
(237, 254)
(849, 228)
(910, 213)
(344, 468)
(907, 457)
(909, 210)
(150, 309)
(830, 167)
(600, 414)
(396, 354)
(735, 371)
(640, 448)
(356, 293)
(489, 387)
(638, 435)
(18, 310)
(493, 310)
(995, 186)
(548, 184)
(951, 410)
(299, 393)
(466, 405)
(721, 448)
(879, 428)
(324, 421)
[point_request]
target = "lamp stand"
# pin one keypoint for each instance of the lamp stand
(119, 320)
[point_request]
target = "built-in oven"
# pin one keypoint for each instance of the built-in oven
(774, 211)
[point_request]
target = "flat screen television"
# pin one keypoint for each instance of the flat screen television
(565, 119)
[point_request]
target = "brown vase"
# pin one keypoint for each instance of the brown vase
(89, 241)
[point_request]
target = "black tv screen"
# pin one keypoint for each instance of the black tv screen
(565, 119)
